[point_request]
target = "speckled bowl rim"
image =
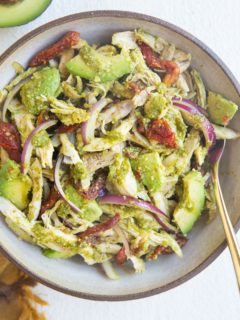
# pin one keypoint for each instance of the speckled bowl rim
(228, 73)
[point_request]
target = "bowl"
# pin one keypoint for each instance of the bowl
(206, 241)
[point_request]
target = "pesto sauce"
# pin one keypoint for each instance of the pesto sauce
(40, 139)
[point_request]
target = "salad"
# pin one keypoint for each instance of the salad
(104, 149)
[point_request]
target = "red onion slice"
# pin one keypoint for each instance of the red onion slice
(28, 147)
(88, 126)
(216, 152)
(190, 104)
(191, 110)
(10, 96)
(59, 187)
(130, 201)
(160, 216)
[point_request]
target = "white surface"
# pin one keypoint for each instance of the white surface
(213, 293)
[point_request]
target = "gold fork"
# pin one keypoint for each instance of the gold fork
(215, 158)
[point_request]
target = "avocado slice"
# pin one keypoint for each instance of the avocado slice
(155, 105)
(18, 12)
(149, 168)
(220, 109)
(45, 82)
(92, 65)
(14, 186)
(90, 209)
(52, 254)
(192, 201)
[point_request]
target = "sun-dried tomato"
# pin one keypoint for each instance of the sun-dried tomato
(69, 40)
(14, 155)
(67, 129)
(10, 140)
(181, 240)
(42, 117)
(140, 126)
(160, 130)
(155, 62)
(109, 224)
(95, 188)
(53, 197)
(133, 86)
(121, 256)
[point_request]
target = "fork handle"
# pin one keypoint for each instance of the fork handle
(227, 225)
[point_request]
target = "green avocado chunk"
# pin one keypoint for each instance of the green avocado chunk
(220, 110)
(90, 209)
(149, 168)
(52, 254)
(18, 12)
(92, 65)
(155, 105)
(45, 82)
(14, 186)
(192, 201)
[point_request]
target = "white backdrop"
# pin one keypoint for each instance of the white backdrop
(213, 294)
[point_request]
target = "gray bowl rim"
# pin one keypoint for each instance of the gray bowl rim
(225, 69)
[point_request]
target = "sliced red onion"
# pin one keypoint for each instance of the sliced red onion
(102, 192)
(121, 234)
(216, 152)
(190, 104)
(89, 126)
(117, 111)
(130, 201)
(160, 216)
(10, 96)
(28, 147)
(191, 110)
(59, 187)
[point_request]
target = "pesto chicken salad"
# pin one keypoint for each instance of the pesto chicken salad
(105, 149)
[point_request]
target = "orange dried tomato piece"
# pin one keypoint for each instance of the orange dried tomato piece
(153, 61)
(67, 129)
(10, 140)
(109, 224)
(69, 40)
(160, 130)
(54, 196)
(121, 256)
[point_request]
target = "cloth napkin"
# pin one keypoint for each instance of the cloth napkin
(17, 300)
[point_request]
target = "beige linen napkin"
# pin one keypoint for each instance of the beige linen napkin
(17, 301)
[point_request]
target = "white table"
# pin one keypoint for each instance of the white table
(212, 295)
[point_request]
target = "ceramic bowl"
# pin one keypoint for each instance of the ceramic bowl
(206, 241)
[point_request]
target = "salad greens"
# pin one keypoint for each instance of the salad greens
(104, 149)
